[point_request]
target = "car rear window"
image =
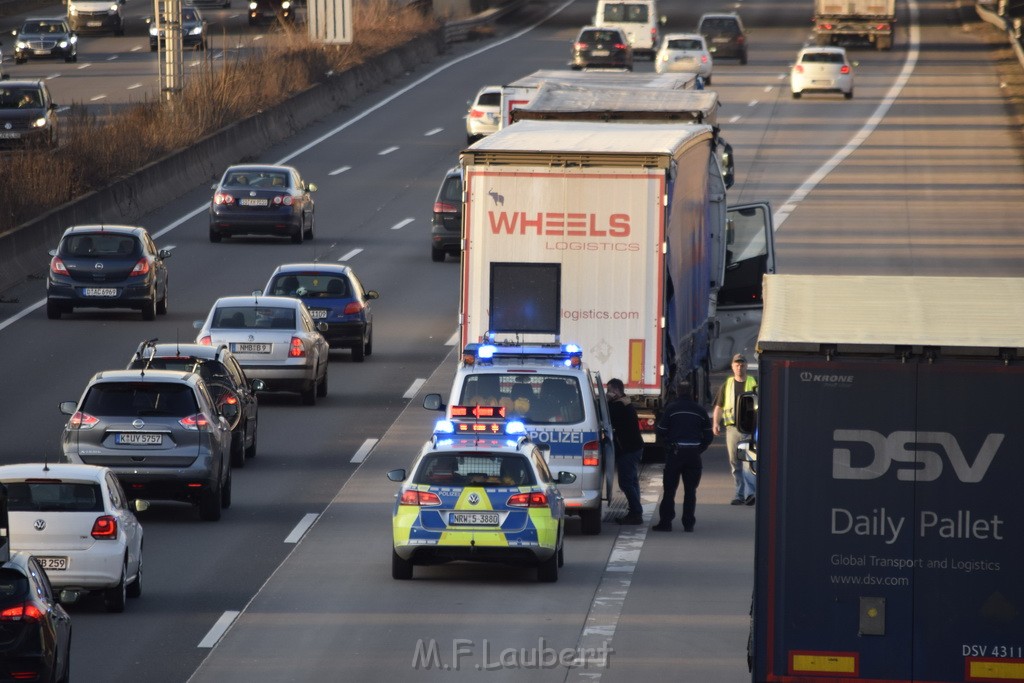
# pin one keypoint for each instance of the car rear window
(100, 245)
(311, 286)
(489, 99)
(254, 318)
(47, 496)
(536, 398)
(822, 58)
(13, 584)
(475, 469)
(140, 399)
(684, 44)
(451, 190)
(600, 36)
(727, 26)
(626, 12)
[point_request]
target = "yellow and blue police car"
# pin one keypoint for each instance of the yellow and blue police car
(480, 491)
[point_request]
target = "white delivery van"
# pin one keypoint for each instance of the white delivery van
(638, 19)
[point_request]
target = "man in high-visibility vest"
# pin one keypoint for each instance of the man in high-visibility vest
(725, 415)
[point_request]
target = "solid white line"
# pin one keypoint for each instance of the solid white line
(350, 254)
(219, 629)
(752, 103)
(136, 48)
(387, 150)
(301, 528)
(364, 450)
(402, 223)
(453, 340)
(432, 131)
(338, 171)
(735, 119)
(97, 98)
(414, 388)
(134, 86)
(83, 66)
(52, 76)
(111, 58)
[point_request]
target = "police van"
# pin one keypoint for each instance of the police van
(560, 401)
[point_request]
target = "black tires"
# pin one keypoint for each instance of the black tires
(114, 598)
(321, 387)
(309, 230)
(437, 255)
(209, 504)
(401, 570)
(161, 306)
(134, 589)
(590, 522)
(250, 450)
(215, 236)
(53, 310)
(547, 571)
(149, 309)
(359, 352)
(238, 449)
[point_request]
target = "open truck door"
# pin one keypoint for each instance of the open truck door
(750, 255)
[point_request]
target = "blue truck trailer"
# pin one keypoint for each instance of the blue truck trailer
(890, 458)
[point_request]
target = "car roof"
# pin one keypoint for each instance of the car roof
(600, 28)
(39, 470)
(258, 300)
(489, 88)
(823, 50)
(116, 229)
(333, 268)
(191, 350)
(23, 83)
(53, 19)
(678, 36)
(547, 367)
(258, 168)
(140, 375)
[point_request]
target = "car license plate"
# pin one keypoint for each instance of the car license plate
(474, 518)
(41, 52)
(251, 348)
(9, 135)
(138, 439)
(51, 564)
(317, 313)
(100, 291)
(724, 39)
(248, 201)
(600, 53)
(94, 23)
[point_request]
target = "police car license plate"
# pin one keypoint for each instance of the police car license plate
(100, 291)
(317, 313)
(251, 348)
(53, 563)
(474, 518)
(138, 439)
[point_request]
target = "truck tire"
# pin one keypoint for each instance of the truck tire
(590, 522)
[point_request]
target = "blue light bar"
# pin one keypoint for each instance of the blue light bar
(444, 427)
(515, 427)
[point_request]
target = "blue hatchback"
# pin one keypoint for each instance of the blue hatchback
(333, 295)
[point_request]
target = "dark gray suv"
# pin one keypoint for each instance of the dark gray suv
(446, 221)
(159, 431)
(724, 34)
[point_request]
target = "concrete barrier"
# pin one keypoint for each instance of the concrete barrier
(23, 251)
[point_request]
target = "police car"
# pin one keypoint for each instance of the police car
(560, 401)
(480, 490)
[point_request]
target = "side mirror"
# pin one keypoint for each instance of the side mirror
(728, 165)
(52, 252)
(663, 20)
(140, 505)
(311, 187)
(433, 402)
(257, 384)
(67, 407)
(214, 186)
(164, 253)
(565, 478)
(396, 475)
(371, 294)
(746, 413)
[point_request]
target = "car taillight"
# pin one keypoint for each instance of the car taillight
(581, 46)
(296, 350)
(194, 422)
(704, 59)
(528, 500)
(740, 40)
(445, 207)
(798, 68)
(223, 198)
(844, 69)
(353, 307)
(645, 423)
(105, 528)
(82, 420)
(206, 341)
(57, 266)
(25, 612)
(882, 27)
(825, 27)
(620, 46)
(421, 498)
(231, 400)
(591, 454)
(285, 199)
(141, 268)
(475, 114)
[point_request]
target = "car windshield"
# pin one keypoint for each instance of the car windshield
(100, 244)
(47, 496)
(625, 12)
(139, 399)
(20, 98)
(188, 14)
(311, 286)
(489, 99)
(254, 317)
(684, 44)
(536, 398)
(43, 27)
(474, 469)
(822, 58)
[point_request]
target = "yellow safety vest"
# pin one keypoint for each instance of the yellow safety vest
(749, 384)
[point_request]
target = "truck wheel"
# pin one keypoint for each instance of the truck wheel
(591, 522)
(401, 570)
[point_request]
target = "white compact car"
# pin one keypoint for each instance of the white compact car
(686, 52)
(824, 69)
(484, 115)
(78, 523)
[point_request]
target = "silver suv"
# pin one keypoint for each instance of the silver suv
(159, 431)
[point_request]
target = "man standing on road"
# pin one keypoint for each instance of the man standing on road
(725, 414)
(684, 430)
(629, 448)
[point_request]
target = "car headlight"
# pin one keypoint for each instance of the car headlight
(63, 44)
(72, 10)
(285, 4)
(40, 122)
(197, 31)
(21, 45)
(112, 9)
(74, 39)
(152, 30)
(252, 6)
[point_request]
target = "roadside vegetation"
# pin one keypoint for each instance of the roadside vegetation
(215, 95)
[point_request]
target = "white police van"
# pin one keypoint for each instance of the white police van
(562, 404)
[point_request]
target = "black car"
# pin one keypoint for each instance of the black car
(233, 392)
(269, 11)
(601, 47)
(160, 431)
(193, 30)
(28, 115)
(262, 200)
(724, 35)
(107, 266)
(446, 224)
(35, 631)
(45, 38)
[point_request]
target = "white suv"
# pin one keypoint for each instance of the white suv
(484, 115)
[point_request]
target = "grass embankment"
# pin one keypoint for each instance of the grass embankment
(95, 151)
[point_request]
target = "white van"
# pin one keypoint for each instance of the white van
(638, 19)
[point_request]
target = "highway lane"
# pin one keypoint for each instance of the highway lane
(305, 453)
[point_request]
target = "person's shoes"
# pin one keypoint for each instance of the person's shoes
(631, 519)
(661, 526)
(738, 501)
(688, 528)
(749, 500)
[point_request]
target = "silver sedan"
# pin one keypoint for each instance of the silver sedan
(274, 339)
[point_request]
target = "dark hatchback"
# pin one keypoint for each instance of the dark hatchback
(28, 115)
(35, 631)
(724, 35)
(601, 47)
(446, 223)
(45, 38)
(262, 200)
(335, 296)
(233, 392)
(107, 266)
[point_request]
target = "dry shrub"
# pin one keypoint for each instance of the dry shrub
(214, 95)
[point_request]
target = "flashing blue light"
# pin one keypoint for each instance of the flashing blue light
(572, 348)
(444, 427)
(515, 427)
(444, 442)
(511, 443)
(486, 352)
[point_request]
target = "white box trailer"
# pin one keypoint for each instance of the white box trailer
(561, 101)
(871, 20)
(614, 237)
(521, 91)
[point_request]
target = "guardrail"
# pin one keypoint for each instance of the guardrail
(455, 31)
(1014, 26)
